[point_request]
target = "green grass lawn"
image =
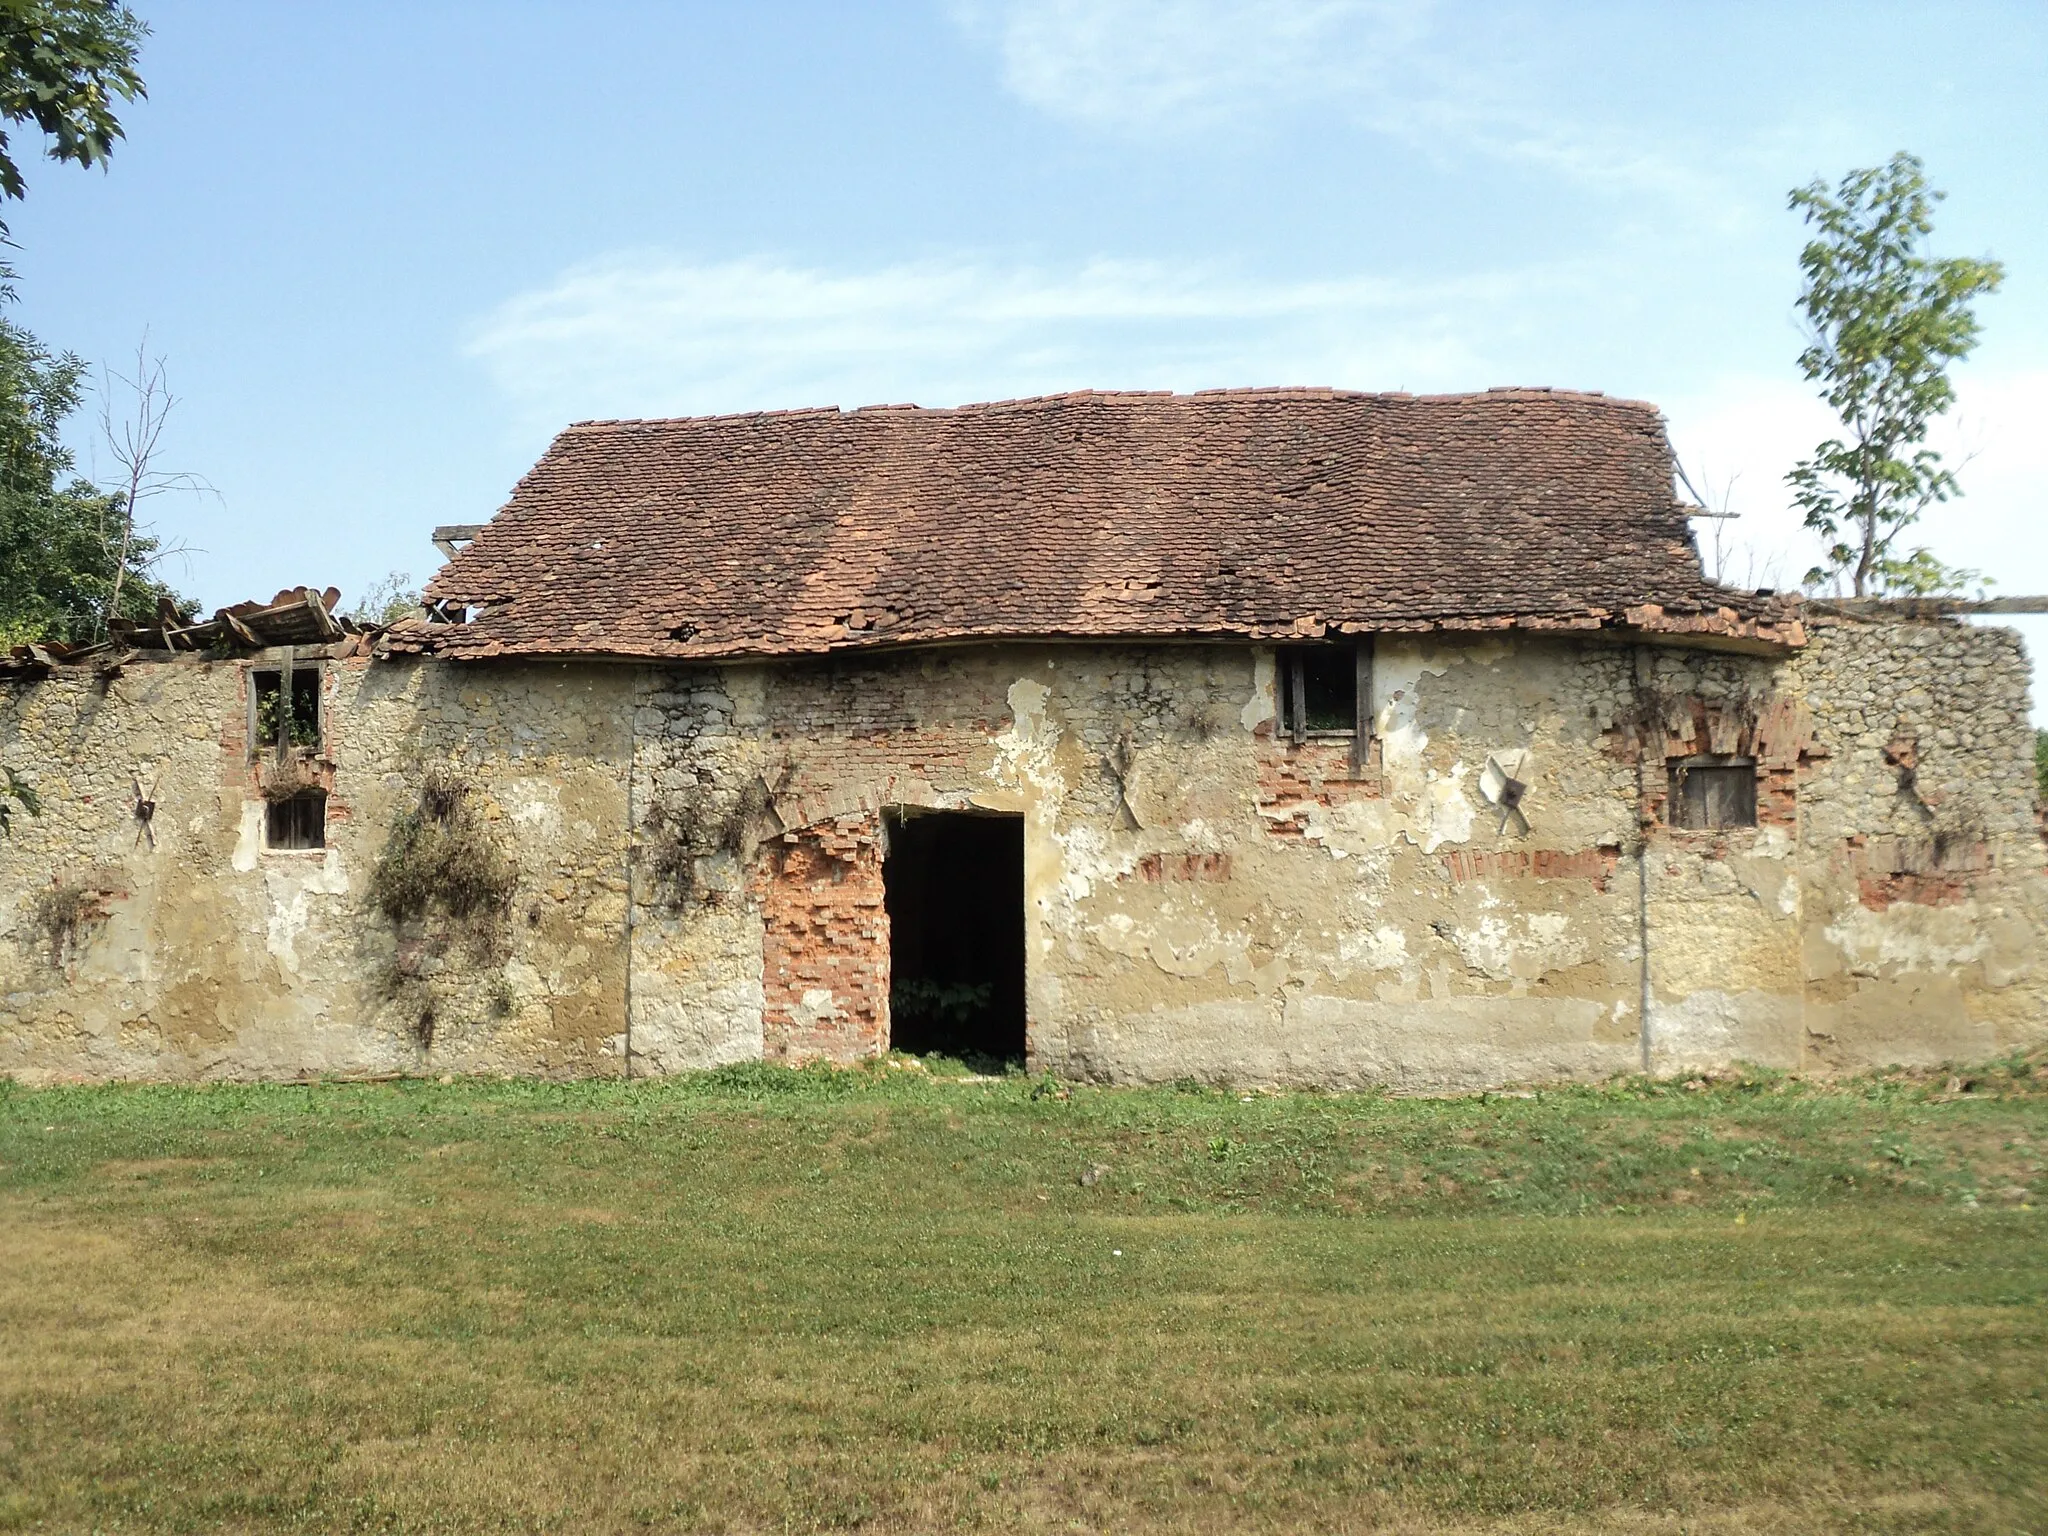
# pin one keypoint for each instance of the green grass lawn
(762, 1300)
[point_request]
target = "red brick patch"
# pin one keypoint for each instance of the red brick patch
(1594, 864)
(825, 946)
(1880, 891)
(1314, 773)
(1157, 867)
(1922, 871)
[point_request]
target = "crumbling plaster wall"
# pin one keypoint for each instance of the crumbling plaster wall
(207, 955)
(1204, 898)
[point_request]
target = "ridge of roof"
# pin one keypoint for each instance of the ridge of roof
(1492, 394)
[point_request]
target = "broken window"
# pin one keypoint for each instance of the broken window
(300, 822)
(268, 697)
(1326, 690)
(1709, 792)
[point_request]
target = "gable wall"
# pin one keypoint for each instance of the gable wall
(1925, 908)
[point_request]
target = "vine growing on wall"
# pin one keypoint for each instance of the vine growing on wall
(442, 857)
(16, 791)
(701, 822)
(443, 876)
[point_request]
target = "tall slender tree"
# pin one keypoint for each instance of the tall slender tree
(1885, 322)
(70, 557)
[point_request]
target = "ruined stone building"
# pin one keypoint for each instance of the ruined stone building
(1275, 736)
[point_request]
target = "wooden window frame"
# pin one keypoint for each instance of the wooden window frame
(286, 666)
(271, 815)
(1292, 683)
(1679, 768)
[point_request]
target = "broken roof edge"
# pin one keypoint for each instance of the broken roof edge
(231, 634)
(1717, 628)
(1502, 393)
(301, 617)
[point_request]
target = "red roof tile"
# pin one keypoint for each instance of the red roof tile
(1252, 513)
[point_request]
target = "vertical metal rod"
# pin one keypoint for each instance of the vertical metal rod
(632, 751)
(1642, 814)
(1643, 921)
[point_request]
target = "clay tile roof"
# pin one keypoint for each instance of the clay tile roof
(1252, 513)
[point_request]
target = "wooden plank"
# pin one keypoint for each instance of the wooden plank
(451, 536)
(1297, 694)
(323, 621)
(1362, 704)
(284, 706)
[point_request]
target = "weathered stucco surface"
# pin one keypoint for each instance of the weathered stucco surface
(1203, 898)
(205, 954)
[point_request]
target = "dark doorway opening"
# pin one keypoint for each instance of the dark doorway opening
(954, 885)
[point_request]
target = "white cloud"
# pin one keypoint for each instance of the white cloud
(646, 334)
(1158, 62)
(1403, 69)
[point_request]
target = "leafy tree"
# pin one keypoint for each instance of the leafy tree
(69, 557)
(60, 536)
(388, 601)
(1886, 320)
(63, 63)
(2041, 763)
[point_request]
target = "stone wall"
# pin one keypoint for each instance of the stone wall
(200, 952)
(1925, 906)
(1204, 898)
(1210, 900)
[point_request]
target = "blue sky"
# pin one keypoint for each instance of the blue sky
(388, 249)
